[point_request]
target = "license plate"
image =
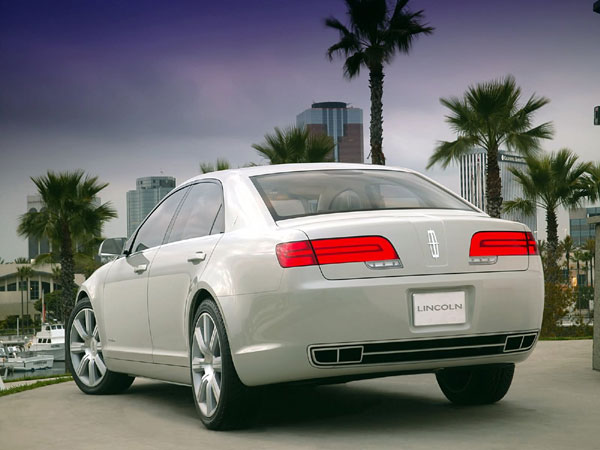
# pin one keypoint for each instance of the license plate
(439, 308)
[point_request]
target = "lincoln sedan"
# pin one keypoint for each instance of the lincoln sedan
(309, 273)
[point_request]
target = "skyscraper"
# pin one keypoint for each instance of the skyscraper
(472, 182)
(36, 246)
(343, 123)
(148, 192)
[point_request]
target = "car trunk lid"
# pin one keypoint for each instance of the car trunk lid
(427, 242)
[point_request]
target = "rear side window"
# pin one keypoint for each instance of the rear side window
(298, 194)
(200, 213)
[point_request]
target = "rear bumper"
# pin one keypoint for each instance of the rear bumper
(272, 335)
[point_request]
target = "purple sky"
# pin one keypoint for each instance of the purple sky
(136, 88)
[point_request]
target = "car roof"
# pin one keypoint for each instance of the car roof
(281, 168)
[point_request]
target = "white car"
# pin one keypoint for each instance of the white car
(310, 273)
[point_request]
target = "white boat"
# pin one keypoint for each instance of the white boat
(14, 359)
(50, 340)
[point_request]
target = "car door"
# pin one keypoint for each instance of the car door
(177, 270)
(126, 286)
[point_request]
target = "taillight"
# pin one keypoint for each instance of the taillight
(354, 249)
(532, 244)
(335, 251)
(503, 243)
(295, 254)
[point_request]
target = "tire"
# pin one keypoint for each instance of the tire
(477, 385)
(222, 400)
(84, 354)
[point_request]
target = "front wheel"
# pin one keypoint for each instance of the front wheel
(221, 398)
(476, 385)
(84, 356)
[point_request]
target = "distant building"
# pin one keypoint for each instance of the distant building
(579, 230)
(12, 288)
(473, 168)
(343, 123)
(148, 192)
(36, 246)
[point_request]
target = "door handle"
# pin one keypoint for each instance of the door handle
(141, 268)
(198, 257)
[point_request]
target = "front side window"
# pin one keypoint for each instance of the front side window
(152, 231)
(199, 214)
(299, 194)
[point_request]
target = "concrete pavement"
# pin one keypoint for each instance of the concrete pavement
(554, 403)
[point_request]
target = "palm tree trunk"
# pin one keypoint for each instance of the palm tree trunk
(67, 273)
(376, 85)
(493, 187)
(21, 289)
(27, 302)
(552, 272)
(552, 229)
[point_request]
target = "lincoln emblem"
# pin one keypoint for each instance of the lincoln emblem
(434, 245)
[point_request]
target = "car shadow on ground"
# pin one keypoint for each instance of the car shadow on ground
(350, 408)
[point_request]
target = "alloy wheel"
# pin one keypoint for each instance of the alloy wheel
(85, 349)
(207, 365)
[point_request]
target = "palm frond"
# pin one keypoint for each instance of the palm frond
(295, 145)
(519, 204)
(592, 182)
(447, 152)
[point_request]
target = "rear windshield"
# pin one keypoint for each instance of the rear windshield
(298, 194)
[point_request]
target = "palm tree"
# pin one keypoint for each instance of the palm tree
(295, 145)
(69, 216)
(376, 33)
(590, 248)
(593, 179)
(490, 116)
(222, 164)
(21, 260)
(578, 257)
(567, 247)
(550, 181)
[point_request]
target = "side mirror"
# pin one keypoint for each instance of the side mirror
(110, 249)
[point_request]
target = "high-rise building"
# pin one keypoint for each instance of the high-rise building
(579, 229)
(36, 246)
(343, 123)
(473, 168)
(148, 192)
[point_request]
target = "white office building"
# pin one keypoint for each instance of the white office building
(472, 182)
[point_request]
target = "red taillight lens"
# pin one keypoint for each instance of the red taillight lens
(502, 243)
(295, 254)
(335, 251)
(354, 249)
(532, 244)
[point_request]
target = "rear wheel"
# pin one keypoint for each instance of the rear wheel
(477, 385)
(221, 398)
(84, 355)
